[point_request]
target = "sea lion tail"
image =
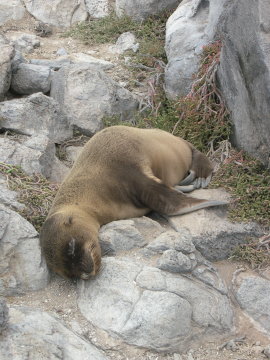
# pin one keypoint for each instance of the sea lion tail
(168, 201)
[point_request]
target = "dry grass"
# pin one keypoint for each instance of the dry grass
(34, 191)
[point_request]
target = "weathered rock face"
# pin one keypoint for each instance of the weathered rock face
(253, 296)
(18, 244)
(244, 74)
(212, 233)
(29, 79)
(34, 155)
(151, 308)
(3, 315)
(126, 41)
(11, 10)
(6, 54)
(188, 29)
(88, 95)
(141, 9)
(35, 115)
(45, 336)
(25, 43)
(9, 197)
(61, 13)
(97, 8)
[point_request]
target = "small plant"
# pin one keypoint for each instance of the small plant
(204, 119)
(256, 252)
(35, 192)
(248, 182)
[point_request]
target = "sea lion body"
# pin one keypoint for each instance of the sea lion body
(122, 172)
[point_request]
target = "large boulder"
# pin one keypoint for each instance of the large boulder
(151, 308)
(29, 79)
(35, 115)
(97, 8)
(3, 315)
(141, 9)
(252, 294)
(244, 74)
(188, 29)
(33, 334)
(33, 155)
(22, 267)
(11, 10)
(7, 52)
(210, 230)
(62, 13)
(89, 95)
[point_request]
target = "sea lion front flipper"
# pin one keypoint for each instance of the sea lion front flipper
(189, 179)
(184, 188)
(166, 200)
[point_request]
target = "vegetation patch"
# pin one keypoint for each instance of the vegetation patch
(256, 252)
(248, 181)
(150, 34)
(35, 192)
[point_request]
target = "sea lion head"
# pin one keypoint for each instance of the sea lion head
(70, 245)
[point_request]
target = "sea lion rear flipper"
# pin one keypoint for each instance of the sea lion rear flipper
(188, 208)
(166, 200)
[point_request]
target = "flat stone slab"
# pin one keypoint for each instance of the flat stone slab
(33, 334)
(151, 308)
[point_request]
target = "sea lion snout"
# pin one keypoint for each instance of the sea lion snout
(70, 246)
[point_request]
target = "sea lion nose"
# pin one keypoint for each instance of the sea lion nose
(85, 276)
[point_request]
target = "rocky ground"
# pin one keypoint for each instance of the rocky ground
(157, 263)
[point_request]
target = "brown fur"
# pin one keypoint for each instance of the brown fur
(122, 172)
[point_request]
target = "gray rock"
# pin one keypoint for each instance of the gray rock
(73, 152)
(25, 43)
(147, 227)
(61, 52)
(174, 261)
(208, 274)
(188, 29)
(29, 79)
(58, 171)
(75, 58)
(141, 9)
(212, 233)
(11, 10)
(173, 240)
(17, 60)
(126, 41)
(122, 235)
(253, 296)
(266, 351)
(61, 13)
(99, 64)
(9, 197)
(7, 52)
(18, 244)
(3, 315)
(151, 308)
(33, 334)
(88, 96)
(244, 74)
(97, 8)
(35, 115)
(35, 155)
(52, 64)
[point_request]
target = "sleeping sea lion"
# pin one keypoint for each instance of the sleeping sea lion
(122, 172)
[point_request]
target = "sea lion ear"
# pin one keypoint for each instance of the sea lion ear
(71, 247)
(68, 221)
